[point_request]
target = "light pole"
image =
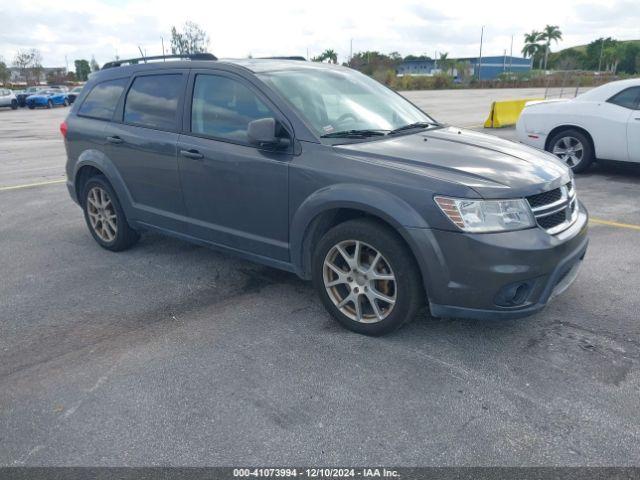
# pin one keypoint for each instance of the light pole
(480, 58)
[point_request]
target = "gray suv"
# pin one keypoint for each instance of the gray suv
(322, 171)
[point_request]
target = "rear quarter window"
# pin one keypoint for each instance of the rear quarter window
(101, 102)
(627, 98)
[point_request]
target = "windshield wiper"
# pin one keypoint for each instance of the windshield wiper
(354, 134)
(411, 126)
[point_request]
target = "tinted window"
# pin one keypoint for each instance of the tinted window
(223, 107)
(627, 98)
(102, 100)
(152, 101)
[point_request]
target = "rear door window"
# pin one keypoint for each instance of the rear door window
(103, 99)
(152, 101)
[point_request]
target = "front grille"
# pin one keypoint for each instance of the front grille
(544, 198)
(552, 220)
(555, 210)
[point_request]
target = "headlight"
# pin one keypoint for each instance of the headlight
(482, 216)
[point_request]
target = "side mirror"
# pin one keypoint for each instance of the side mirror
(264, 133)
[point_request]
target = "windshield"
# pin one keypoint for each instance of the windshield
(337, 100)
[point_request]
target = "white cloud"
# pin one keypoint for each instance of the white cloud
(81, 28)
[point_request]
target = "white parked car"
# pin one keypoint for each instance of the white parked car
(603, 123)
(8, 98)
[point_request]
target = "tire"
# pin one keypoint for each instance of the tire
(14, 104)
(566, 141)
(115, 239)
(65, 103)
(31, 107)
(396, 261)
(49, 104)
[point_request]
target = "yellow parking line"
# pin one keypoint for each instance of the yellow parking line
(599, 221)
(29, 185)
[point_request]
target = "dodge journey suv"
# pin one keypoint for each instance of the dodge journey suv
(322, 171)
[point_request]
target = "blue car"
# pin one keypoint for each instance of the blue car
(48, 98)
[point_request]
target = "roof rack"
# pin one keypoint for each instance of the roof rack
(133, 61)
(300, 58)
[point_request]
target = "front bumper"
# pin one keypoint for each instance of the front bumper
(499, 275)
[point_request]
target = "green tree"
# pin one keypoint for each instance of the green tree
(595, 50)
(192, 39)
(94, 65)
(445, 63)
(551, 33)
(5, 74)
(331, 55)
(531, 47)
(83, 69)
(328, 54)
(369, 62)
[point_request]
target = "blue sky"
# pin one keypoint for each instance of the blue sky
(104, 28)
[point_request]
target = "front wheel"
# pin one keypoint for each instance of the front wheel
(65, 103)
(573, 148)
(366, 277)
(49, 104)
(14, 104)
(105, 217)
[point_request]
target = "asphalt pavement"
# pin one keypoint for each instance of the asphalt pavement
(173, 354)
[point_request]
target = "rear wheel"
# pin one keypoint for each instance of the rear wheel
(105, 217)
(49, 104)
(573, 148)
(366, 277)
(14, 104)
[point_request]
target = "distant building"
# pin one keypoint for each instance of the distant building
(489, 68)
(417, 67)
(19, 76)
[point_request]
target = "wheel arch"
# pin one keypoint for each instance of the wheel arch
(329, 207)
(569, 126)
(94, 162)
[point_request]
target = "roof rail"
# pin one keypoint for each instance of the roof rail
(300, 58)
(133, 61)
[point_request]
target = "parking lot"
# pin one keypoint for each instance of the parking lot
(173, 354)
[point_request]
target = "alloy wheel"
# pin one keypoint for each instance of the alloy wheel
(102, 215)
(570, 150)
(359, 281)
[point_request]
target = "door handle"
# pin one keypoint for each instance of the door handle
(115, 139)
(194, 154)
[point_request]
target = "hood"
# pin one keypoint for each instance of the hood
(494, 167)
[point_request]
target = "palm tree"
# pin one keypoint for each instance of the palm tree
(549, 34)
(531, 46)
(330, 55)
(446, 64)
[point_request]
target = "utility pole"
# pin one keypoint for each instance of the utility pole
(162, 40)
(511, 55)
(480, 58)
(351, 52)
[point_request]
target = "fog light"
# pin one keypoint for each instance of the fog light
(514, 294)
